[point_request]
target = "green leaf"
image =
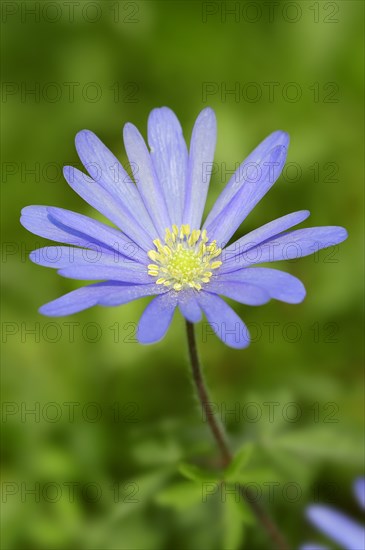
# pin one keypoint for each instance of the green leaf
(194, 473)
(232, 493)
(234, 530)
(239, 461)
(180, 495)
(247, 514)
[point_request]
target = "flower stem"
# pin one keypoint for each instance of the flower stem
(219, 435)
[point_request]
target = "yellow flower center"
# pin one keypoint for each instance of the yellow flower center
(185, 259)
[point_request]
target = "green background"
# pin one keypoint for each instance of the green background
(108, 475)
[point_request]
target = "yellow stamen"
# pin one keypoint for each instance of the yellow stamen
(184, 259)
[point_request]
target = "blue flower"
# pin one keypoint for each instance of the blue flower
(161, 247)
(343, 530)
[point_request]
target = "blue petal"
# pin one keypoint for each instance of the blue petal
(252, 183)
(105, 203)
(289, 246)
(105, 273)
(230, 255)
(201, 157)
(169, 156)
(224, 321)
(278, 284)
(242, 292)
(189, 306)
(98, 232)
(146, 179)
(60, 256)
(340, 528)
(36, 219)
(106, 170)
(232, 189)
(105, 294)
(90, 264)
(156, 318)
(272, 140)
(359, 489)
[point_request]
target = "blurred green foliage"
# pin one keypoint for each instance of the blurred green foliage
(114, 420)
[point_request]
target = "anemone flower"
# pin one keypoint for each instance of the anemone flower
(160, 246)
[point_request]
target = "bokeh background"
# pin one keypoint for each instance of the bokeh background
(95, 426)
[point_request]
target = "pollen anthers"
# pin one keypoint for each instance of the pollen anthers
(185, 260)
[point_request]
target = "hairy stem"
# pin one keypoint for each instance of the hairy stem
(219, 435)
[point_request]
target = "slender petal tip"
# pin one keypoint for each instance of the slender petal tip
(207, 112)
(342, 234)
(81, 135)
(359, 490)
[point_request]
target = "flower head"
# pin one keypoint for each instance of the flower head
(159, 245)
(343, 530)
